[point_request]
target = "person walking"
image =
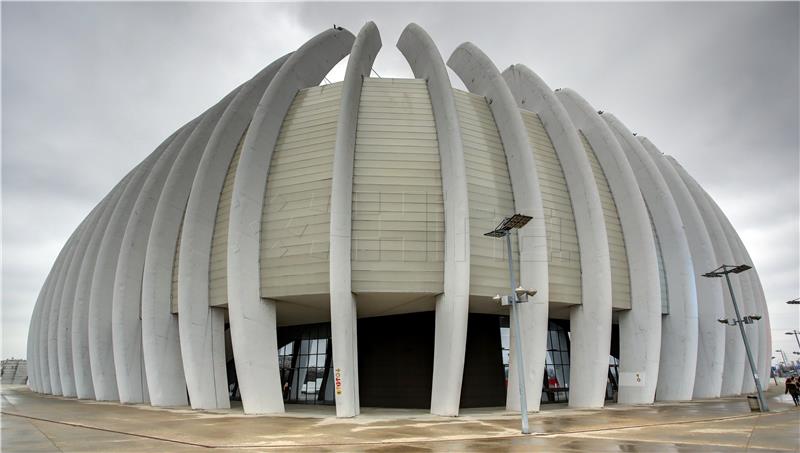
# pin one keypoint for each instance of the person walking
(793, 389)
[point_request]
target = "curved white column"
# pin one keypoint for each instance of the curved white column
(101, 352)
(33, 339)
(639, 327)
(590, 322)
(679, 328)
(760, 307)
(43, 322)
(202, 328)
(34, 365)
(343, 303)
(452, 306)
(253, 320)
(84, 387)
(55, 308)
(710, 307)
(64, 333)
(481, 76)
(734, 349)
(126, 322)
(747, 298)
(62, 310)
(161, 349)
(763, 325)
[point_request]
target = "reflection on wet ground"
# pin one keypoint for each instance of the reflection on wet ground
(32, 423)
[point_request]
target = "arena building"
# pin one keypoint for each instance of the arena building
(324, 244)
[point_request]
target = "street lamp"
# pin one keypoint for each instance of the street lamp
(783, 354)
(726, 270)
(795, 333)
(518, 295)
(793, 302)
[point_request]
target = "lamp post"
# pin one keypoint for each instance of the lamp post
(726, 270)
(783, 354)
(518, 295)
(795, 333)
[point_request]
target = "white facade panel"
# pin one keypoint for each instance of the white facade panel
(295, 233)
(398, 212)
(218, 268)
(564, 256)
(620, 275)
(490, 195)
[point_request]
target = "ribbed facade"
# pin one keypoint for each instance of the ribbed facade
(433, 169)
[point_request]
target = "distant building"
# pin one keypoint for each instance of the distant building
(324, 244)
(14, 371)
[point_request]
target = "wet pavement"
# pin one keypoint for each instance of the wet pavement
(34, 423)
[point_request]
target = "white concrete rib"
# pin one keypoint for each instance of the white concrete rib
(710, 307)
(748, 298)
(734, 349)
(679, 329)
(48, 321)
(201, 328)
(166, 381)
(32, 343)
(126, 318)
(253, 320)
(763, 325)
(343, 308)
(44, 316)
(452, 306)
(55, 309)
(64, 327)
(639, 327)
(590, 322)
(481, 77)
(42, 378)
(101, 352)
(81, 363)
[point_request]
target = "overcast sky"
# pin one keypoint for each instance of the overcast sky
(89, 89)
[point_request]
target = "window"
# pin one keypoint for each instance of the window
(555, 385)
(306, 366)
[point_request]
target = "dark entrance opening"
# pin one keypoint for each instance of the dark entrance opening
(484, 383)
(612, 388)
(230, 366)
(395, 360)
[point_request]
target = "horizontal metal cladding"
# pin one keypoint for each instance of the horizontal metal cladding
(620, 273)
(398, 209)
(563, 252)
(489, 192)
(218, 269)
(295, 222)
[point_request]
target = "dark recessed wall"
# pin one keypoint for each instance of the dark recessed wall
(395, 360)
(484, 379)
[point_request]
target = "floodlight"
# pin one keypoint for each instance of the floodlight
(740, 268)
(515, 221)
(722, 321)
(755, 317)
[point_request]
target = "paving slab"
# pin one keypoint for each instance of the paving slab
(33, 423)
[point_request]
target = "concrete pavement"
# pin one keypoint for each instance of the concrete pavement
(34, 423)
